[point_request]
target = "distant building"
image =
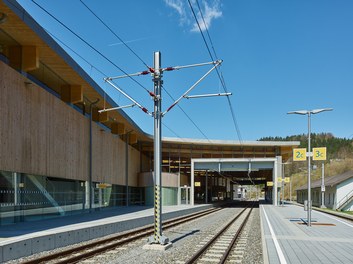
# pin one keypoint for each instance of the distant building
(338, 192)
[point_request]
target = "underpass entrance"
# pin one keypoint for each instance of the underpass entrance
(219, 179)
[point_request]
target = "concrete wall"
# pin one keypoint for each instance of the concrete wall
(344, 190)
(41, 135)
(330, 196)
(146, 179)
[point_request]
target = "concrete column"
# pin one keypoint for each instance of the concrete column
(192, 183)
(87, 195)
(15, 187)
(274, 180)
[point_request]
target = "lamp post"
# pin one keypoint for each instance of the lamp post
(309, 113)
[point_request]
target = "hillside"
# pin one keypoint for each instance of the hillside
(337, 148)
(339, 158)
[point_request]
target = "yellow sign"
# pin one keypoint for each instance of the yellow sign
(103, 185)
(279, 179)
(286, 179)
(197, 184)
(269, 183)
(319, 153)
(299, 154)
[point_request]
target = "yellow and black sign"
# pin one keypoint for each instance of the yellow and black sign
(287, 179)
(269, 183)
(279, 179)
(197, 184)
(319, 153)
(299, 154)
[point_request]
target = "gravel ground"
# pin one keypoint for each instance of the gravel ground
(186, 239)
(253, 253)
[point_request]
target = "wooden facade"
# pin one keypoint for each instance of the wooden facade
(42, 135)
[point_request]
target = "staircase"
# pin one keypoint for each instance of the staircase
(344, 201)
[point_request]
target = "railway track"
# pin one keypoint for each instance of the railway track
(82, 252)
(219, 248)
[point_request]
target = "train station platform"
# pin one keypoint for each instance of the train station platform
(27, 238)
(287, 238)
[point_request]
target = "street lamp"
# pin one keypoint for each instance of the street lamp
(309, 113)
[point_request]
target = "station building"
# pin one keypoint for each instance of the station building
(59, 155)
(338, 192)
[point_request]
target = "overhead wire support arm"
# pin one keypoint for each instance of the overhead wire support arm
(193, 86)
(116, 108)
(206, 95)
(128, 75)
(128, 96)
(192, 65)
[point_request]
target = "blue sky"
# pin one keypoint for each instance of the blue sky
(278, 56)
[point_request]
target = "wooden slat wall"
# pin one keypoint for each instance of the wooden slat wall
(134, 166)
(40, 134)
(109, 157)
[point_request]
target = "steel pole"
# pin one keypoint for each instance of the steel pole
(157, 238)
(309, 170)
(290, 189)
(90, 169)
(127, 169)
(206, 185)
(282, 184)
(323, 186)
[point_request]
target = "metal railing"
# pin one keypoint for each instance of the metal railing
(344, 200)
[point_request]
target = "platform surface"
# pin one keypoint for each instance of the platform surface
(287, 239)
(26, 238)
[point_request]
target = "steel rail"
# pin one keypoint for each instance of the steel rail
(235, 238)
(109, 243)
(202, 250)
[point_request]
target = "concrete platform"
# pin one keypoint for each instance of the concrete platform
(27, 238)
(287, 239)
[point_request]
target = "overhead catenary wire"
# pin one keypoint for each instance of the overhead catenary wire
(76, 53)
(116, 35)
(93, 48)
(92, 66)
(146, 72)
(216, 64)
(114, 64)
(208, 34)
(167, 127)
(101, 72)
(104, 74)
(197, 127)
(220, 76)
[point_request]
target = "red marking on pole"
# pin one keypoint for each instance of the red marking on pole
(170, 107)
